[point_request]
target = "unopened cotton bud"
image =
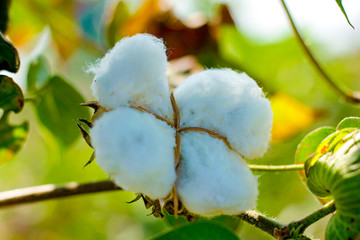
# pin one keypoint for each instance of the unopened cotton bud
(134, 73)
(212, 179)
(137, 150)
(229, 103)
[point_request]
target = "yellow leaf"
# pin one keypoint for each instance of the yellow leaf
(290, 116)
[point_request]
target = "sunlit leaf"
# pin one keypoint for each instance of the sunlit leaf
(4, 14)
(308, 145)
(11, 140)
(58, 110)
(11, 96)
(119, 17)
(38, 74)
(142, 18)
(290, 116)
(199, 231)
(339, 2)
(349, 122)
(9, 57)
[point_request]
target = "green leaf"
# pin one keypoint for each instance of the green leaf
(58, 110)
(38, 74)
(170, 219)
(11, 96)
(339, 2)
(341, 227)
(329, 145)
(119, 17)
(349, 122)
(9, 57)
(346, 192)
(4, 14)
(199, 231)
(224, 220)
(11, 140)
(308, 145)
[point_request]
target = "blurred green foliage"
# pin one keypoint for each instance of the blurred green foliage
(81, 32)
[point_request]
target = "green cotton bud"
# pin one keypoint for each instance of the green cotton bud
(337, 173)
(334, 171)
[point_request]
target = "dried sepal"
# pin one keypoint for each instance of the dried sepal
(89, 124)
(92, 104)
(138, 197)
(85, 135)
(92, 157)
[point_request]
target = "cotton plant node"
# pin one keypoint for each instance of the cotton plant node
(186, 169)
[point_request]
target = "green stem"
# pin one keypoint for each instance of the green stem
(51, 191)
(313, 217)
(349, 96)
(276, 168)
(262, 222)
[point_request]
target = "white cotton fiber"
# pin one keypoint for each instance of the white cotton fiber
(229, 103)
(134, 73)
(137, 150)
(213, 180)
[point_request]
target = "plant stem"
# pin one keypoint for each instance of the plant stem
(313, 217)
(349, 96)
(51, 191)
(260, 221)
(276, 168)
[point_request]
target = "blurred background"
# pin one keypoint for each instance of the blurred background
(251, 36)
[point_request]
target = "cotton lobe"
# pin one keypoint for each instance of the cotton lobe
(212, 179)
(136, 149)
(134, 73)
(229, 103)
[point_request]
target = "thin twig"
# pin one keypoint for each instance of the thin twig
(276, 168)
(349, 96)
(51, 191)
(313, 217)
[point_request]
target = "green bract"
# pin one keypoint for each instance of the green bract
(333, 170)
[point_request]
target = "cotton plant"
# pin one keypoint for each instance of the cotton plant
(183, 151)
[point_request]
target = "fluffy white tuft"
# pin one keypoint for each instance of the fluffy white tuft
(230, 104)
(134, 73)
(213, 180)
(137, 150)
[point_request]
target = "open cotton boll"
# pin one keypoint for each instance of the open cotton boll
(212, 179)
(137, 150)
(230, 104)
(134, 73)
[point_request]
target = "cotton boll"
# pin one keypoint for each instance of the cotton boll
(137, 150)
(230, 104)
(134, 73)
(212, 179)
